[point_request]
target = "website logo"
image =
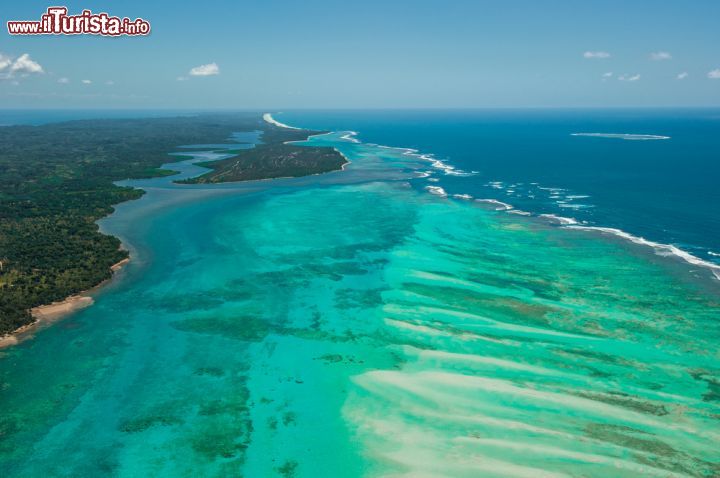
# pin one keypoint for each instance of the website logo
(56, 21)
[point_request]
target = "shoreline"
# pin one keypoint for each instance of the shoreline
(47, 314)
(267, 117)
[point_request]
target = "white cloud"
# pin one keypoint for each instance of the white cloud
(86, 82)
(683, 75)
(182, 78)
(63, 80)
(715, 74)
(205, 70)
(21, 66)
(660, 55)
(609, 74)
(629, 78)
(109, 82)
(596, 54)
(25, 65)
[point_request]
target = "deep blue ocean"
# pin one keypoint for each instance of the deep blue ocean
(666, 191)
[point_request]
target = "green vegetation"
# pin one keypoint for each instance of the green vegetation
(57, 181)
(273, 159)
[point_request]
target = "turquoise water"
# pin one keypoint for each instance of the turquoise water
(662, 190)
(351, 324)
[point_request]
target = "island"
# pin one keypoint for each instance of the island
(58, 179)
(276, 157)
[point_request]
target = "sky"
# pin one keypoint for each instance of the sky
(245, 54)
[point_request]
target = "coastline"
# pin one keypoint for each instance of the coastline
(47, 314)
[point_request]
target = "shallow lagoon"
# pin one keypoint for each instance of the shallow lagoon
(350, 324)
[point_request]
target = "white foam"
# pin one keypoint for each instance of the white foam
(350, 136)
(463, 196)
(436, 190)
(625, 136)
(566, 221)
(713, 253)
(572, 206)
(458, 172)
(519, 212)
(501, 206)
(436, 163)
(269, 119)
(660, 249)
(405, 151)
